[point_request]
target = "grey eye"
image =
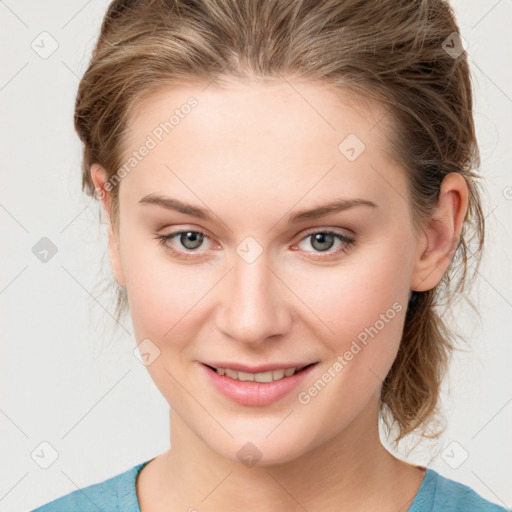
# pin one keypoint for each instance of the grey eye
(322, 241)
(191, 239)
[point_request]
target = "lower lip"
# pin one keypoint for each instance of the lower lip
(256, 393)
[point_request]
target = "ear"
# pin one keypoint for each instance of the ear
(437, 244)
(99, 177)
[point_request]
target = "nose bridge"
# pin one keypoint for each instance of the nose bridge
(254, 307)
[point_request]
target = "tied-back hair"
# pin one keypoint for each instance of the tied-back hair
(392, 52)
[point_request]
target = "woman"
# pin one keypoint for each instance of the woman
(291, 190)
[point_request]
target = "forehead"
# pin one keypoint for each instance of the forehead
(257, 136)
(314, 111)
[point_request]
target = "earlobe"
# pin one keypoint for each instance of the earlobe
(115, 257)
(99, 176)
(440, 237)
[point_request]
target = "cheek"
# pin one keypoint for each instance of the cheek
(354, 295)
(159, 292)
(362, 308)
(166, 299)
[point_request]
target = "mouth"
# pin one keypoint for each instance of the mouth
(262, 376)
(263, 386)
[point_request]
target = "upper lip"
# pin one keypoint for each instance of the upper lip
(261, 368)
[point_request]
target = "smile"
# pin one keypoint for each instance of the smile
(256, 388)
(269, 376)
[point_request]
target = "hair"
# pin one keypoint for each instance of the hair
(390, 51)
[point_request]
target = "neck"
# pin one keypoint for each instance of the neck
(352, 471)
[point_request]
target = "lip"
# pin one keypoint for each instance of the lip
(255, 393)
(261, 368)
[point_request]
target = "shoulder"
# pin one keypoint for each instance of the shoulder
(114, 494)
(450, 493)
(440, 494)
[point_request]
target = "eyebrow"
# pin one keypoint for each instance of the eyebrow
(299, 216)
(173, 204)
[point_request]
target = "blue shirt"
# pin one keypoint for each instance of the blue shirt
(118, 494)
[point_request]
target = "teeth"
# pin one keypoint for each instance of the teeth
(231, 373)
(257, 377)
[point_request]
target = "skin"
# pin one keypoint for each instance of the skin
(253, 153)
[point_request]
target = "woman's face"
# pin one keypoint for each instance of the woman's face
(258, 281)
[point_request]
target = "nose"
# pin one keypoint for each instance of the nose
(254, 303)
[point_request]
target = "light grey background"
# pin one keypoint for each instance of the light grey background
(71, 380)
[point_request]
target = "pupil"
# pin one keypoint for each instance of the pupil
(321, 237)
(191, 236)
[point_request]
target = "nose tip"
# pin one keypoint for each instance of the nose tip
(253, 304)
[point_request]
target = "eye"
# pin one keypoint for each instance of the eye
(323, 241)
(190, 240)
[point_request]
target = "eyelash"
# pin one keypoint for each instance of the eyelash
(347, 242)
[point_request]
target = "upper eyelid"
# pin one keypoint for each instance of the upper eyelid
(303, 234)
(310, 231)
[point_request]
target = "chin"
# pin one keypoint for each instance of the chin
(260, 450)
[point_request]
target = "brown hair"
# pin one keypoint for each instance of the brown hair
(392, 51)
